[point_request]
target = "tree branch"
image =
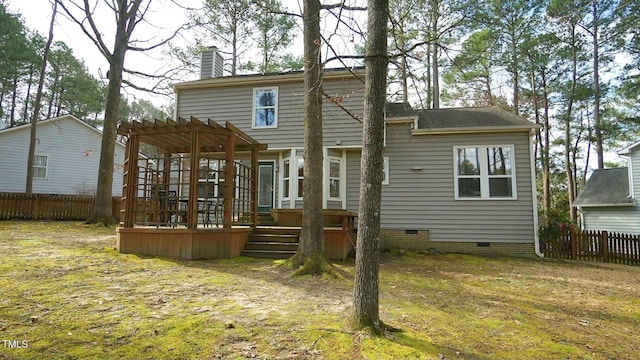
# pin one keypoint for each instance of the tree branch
(342, 6)
(339, 105)
(96, 38)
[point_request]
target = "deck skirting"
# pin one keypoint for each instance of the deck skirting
(183, 244)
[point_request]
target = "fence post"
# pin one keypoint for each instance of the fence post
(36, 207)
(604, 246)
(574, 242)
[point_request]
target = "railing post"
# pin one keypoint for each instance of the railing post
(574, 242)
(604, 246)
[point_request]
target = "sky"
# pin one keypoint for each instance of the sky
(162, 19)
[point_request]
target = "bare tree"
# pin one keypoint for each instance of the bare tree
(38, 100)
(366, 287)
(128, 14)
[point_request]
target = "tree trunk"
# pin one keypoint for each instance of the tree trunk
(36, 107)
(52, 98)
(571, 182)
(428, 76)
(14, 97)
(310, 255)
(234, 51)
(26, 98)
(366, 284)
(103, 211)
(596, 88)
(546, 163)
(515, 74)
(434, 54)
(405, 85)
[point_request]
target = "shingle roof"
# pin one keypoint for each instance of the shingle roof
(459, 118)
(606, 187)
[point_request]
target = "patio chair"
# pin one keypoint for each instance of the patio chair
(176, 214)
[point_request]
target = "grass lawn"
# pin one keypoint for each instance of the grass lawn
(65, 293)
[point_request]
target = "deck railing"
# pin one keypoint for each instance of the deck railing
(593, 245)
(50, 206)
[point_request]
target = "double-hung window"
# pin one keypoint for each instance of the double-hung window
(265, 108)
(208, 179)
(335, 165)
(484, 172)
(300, 177)
(286, 176)
(40, 163)
(385, 170)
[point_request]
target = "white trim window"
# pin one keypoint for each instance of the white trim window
(40, 166)
(484, 172)
(335, 169)
(208, 179)
(300, 167)
(265, 108)
(286, 176)
(385, 170)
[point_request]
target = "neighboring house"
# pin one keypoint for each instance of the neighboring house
(67, 156)
(609, 200)
(454, 179)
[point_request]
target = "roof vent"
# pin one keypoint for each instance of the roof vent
(211, 63)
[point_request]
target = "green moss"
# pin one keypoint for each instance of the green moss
(88, 301)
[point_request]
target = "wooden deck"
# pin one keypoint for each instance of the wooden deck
(215, 243)
(182, 243)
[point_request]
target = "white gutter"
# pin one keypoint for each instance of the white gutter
(473, 130)
(632, 190)
(534, 192)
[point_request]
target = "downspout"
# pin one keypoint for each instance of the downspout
(632, 189)
(534, 194)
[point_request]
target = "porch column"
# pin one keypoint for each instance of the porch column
(131, 180)
(254, 187)
(229, 180)
(192, 211)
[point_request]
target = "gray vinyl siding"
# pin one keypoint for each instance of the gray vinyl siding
(73, 151)
(635, 171)
(618, 219)
(424, 200)
(353, 179)
(234, 104)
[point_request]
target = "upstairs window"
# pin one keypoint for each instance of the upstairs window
(484, 172)
(265, 108)
(40, 163)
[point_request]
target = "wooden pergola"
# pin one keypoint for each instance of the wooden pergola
(189, 139)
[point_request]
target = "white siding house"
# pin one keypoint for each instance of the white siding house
(67, 156)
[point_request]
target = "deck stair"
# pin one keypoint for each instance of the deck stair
(272, 242)
(265, 219)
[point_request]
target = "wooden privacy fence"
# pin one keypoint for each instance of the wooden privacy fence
(50, 206)
(593, 245)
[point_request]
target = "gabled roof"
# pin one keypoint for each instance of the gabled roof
(606, 187)
(627, 150)
(53, 121)
(460, 120)
(270, 78)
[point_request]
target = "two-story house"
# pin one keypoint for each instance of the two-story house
(609, 199)
(459, 180)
